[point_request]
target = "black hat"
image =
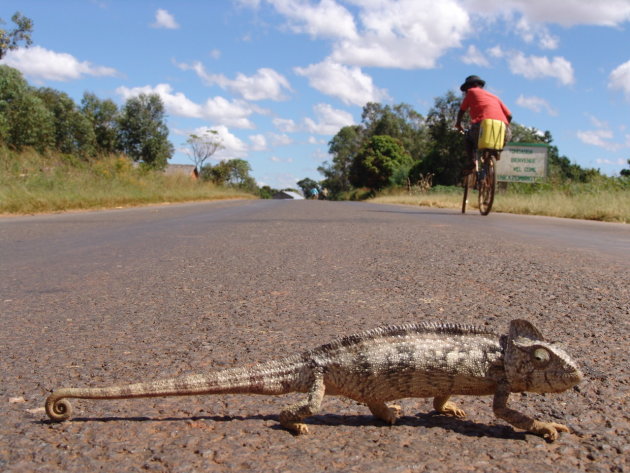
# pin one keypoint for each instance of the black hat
(471, 81)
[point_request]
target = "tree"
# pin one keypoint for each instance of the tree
(400, 121)
(203, 146)
(234, 172)
(143, 133)
(626, 172)
(307, 185)
(219, 174)
(344, 146)
(239, 173)
(72, 130)
(20, 34)
(24, 118)
(12, 87)
(103, 115)
(447, 152)
(31, 124)
(379, 162)
(267, 192)
(525, 134)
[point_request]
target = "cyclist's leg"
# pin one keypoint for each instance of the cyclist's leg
(472, 138)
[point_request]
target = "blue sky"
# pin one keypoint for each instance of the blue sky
(278, 78)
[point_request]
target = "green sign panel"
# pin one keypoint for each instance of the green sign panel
(522, 162)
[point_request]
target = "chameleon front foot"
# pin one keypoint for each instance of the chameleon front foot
(548, 430)
(299, 428)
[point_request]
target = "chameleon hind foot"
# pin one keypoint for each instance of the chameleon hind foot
(548, 430)
(389, 414)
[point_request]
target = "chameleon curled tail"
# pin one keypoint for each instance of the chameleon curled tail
(279, 377)
(58, 408)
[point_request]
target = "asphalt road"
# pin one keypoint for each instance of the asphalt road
(101, 298)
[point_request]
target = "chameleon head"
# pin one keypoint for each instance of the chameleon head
(531, 364)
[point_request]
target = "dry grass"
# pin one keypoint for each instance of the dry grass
(607, 203)
(31, 183)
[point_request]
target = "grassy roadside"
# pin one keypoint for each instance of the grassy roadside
(32, 183)
(604, 201)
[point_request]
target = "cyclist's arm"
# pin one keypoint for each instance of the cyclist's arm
(458, 123)
(506, 112)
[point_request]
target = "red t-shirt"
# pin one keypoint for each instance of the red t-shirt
(483, 104)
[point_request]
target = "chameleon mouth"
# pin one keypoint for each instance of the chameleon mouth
(571, 379)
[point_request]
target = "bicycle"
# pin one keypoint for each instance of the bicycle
(483, 179)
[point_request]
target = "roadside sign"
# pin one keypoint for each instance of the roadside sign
(522, 162)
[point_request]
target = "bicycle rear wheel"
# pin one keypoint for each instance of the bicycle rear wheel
(487, 185)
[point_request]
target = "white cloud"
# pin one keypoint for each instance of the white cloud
(597, 123)
(217, 109)
(349, 84)
(603, 136)
(536, 67)
(248, 3)
(596, 138)
(562, 12)
(548, 41)
(475, 57)
(175, 103)
(281, 180)
(599, 137)
(266, 84)
(324, 19)
(534, 32)
(535, 104)
(280, 139)
(328, 120)
(611, 162)
(496, 51)
(276, 159)
(163, 19)
(312, 140)
(231, 113)
(285, 125)
(259, 142)
(233, 147)
(41, 63)
(620, 79)
(405, 34)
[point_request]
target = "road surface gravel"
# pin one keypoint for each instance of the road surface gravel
(112, 297)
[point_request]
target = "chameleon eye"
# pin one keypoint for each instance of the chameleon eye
(541, 356)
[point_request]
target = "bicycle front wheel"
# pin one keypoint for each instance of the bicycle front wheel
(487, 185)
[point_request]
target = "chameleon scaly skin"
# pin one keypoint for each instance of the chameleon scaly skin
(382, 365)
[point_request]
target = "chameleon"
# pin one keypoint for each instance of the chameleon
(416, 360)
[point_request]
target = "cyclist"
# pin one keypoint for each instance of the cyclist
(480, 104)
